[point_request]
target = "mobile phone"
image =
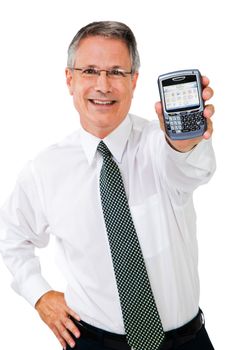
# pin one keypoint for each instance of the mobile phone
(182, 103)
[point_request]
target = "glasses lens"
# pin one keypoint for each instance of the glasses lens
(116, 73)
(90, 72)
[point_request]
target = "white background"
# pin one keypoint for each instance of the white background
(36, 111)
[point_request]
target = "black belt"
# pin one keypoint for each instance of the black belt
(115, 341)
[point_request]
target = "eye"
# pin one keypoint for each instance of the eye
(116, 73)
(90, 71)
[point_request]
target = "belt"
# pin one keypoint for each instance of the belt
(115, 341)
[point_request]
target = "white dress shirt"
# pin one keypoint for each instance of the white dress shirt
(58, 193)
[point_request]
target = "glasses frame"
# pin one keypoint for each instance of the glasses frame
(107, 71)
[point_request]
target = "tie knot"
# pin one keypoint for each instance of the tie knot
(103, 149)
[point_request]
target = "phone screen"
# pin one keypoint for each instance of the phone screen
(181, 95)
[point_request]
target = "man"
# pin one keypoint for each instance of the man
(58, 193)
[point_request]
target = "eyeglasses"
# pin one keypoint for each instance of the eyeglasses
(90, 72)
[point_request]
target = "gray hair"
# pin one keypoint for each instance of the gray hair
(108, 29)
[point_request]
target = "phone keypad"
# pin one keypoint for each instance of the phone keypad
(185, 122)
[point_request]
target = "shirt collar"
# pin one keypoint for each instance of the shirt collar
(116, 141)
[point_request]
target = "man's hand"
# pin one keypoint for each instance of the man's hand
(187, 145)
(54, 311)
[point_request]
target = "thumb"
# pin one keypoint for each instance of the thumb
(158, 107)
(159, 111)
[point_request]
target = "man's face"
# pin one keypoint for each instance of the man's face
(102, 101)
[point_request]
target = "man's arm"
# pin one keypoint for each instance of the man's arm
(23, 227)
(186, 164)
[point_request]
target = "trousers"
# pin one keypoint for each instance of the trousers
(201, 341)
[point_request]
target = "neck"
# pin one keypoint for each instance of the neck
(100, 131)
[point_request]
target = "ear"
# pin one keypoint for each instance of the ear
(134, 80)
(69, 80)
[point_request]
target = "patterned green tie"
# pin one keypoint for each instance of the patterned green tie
(141, 319)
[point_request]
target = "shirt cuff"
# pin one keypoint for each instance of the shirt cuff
(33, 288)
(195, 151)
(201, 157)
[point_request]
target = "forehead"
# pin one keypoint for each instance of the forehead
(98, 50)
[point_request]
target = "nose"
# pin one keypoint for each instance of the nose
(103, 83)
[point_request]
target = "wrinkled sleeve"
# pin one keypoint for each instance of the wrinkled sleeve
(184, 172)
(23, 227)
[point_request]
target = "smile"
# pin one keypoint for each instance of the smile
(102, 102)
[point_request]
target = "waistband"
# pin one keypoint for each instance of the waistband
(115, 341)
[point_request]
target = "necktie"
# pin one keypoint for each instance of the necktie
(141, 319)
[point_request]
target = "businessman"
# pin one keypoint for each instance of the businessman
(117, 195)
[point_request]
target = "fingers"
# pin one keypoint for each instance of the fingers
(63, 337)
(70, 326)
(63, 330)
(59, 337)
(209, 111)
(205, 81)
(73, 314)
(207, 93)
(209, 130)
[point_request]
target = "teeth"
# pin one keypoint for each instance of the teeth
(98, 102)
